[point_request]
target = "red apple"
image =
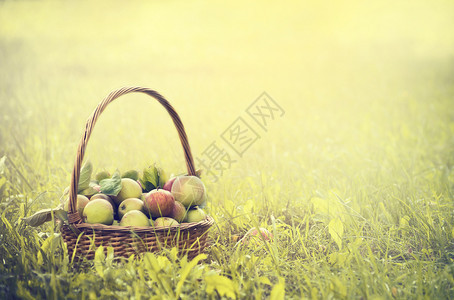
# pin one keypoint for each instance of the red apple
(178, 212)
(159, 203)
(168, 185)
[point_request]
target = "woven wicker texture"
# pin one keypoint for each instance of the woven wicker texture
(84, 238)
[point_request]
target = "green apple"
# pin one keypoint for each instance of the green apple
(105, 197)
(129, 189)
(135, 218)
(178, 212)
(98, 211)
(169, 183)
(102, 175)
(133, 174)
(80, 205)
(195, 215)
(189, 190)
(128, 205)
(164, 222)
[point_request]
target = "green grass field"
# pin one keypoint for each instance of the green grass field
(355, 180)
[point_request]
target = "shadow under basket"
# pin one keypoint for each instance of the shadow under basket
(82, 239)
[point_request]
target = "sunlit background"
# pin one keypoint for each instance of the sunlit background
(353, 174)
(362, 84)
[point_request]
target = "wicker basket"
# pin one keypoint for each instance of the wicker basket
(83, 238)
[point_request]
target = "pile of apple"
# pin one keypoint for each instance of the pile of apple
(176, 202)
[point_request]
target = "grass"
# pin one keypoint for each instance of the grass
(355, 180)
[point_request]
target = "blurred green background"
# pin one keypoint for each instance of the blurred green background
(355, 180)
(356, 80)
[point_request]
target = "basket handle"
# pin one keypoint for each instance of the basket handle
(73, 216)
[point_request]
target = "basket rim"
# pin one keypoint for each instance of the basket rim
(207, 222)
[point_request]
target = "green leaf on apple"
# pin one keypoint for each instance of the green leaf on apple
(153, 177)
(85, 175)
(148, 179)
(111, 186)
